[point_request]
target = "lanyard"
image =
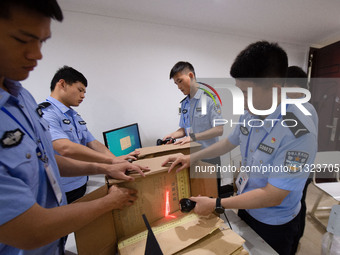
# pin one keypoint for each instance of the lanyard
(264, 137)
(188, 112)
(42, 156)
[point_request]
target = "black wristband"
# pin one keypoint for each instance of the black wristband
(219, 208)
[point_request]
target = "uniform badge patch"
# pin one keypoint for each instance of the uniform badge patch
(217, 108)
(12, 138)
(40, 112)
(295, 160)
(81, 122)
(66, 121)
(265, 148)
(244, 130)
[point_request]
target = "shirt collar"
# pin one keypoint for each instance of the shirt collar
(198, 94)
(63, 108)
(14, 88)
(269, 121)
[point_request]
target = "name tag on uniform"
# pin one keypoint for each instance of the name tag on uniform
(241, 181)
(66, 121)
(266, 149)
(53, 181)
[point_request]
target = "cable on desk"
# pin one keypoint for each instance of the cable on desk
(227, 220)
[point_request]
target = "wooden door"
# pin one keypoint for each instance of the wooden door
(325, 90)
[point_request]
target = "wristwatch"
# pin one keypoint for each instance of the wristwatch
(192, 136)
(219, 208)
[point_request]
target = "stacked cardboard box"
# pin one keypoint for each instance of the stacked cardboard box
(161, 150)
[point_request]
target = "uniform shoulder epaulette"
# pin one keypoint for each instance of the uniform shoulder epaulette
(44, 105)
(183, 99)
(295, 125)
(41, 106)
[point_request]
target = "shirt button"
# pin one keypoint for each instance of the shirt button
(251, 150)
(28, 155)
(261, 161)
(21, 106)
(257, 130)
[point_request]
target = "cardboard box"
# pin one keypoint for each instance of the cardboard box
(166, 149)
(102, 235)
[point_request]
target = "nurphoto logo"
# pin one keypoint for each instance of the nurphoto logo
(238, 101)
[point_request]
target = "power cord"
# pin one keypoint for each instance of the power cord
(227, 220)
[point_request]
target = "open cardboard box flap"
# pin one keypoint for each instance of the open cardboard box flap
(186, 234)
(101, 235)
(220, 242)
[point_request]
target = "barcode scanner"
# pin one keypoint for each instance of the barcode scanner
(169, 139)
(186, 205)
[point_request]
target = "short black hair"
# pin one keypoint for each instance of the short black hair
(180, 66)
(48, 8)
(296, 77)
(259, 60)
(70, 75)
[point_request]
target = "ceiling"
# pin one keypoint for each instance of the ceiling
(304, 22)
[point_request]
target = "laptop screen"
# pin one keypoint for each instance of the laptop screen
(123, 140)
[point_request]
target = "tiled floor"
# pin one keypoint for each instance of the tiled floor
(310, 243)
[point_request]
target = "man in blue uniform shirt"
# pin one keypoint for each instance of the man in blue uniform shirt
(70, 136)
(194, 125)
(276, 151)
(33, 215)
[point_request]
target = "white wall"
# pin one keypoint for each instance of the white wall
(127, 64)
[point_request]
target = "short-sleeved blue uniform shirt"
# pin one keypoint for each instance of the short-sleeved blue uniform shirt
(277, 153)
(23, 179)
(191, 116)
(66, 123)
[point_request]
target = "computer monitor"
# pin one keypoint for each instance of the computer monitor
(123, 140)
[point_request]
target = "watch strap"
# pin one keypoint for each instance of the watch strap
(218, 202)
(219, 208)
(192, 136)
